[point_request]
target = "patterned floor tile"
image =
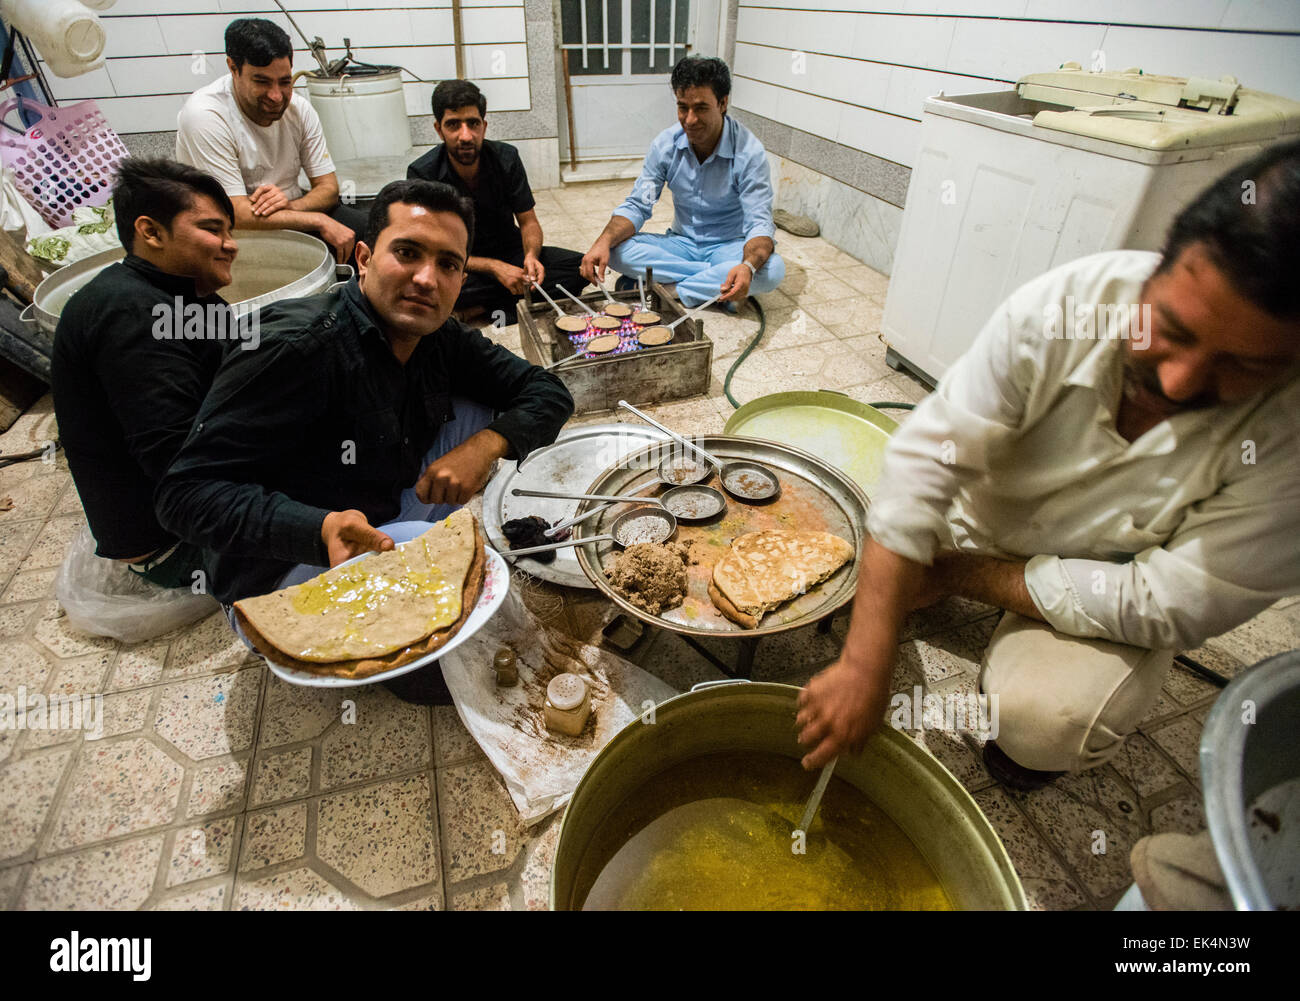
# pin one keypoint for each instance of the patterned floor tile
(296, 890)
(61, 639)
(112, 878)
(48, 549)
(212, 898)
(1181, 740)
(27, 790)
(272, 836)
(1048, 887)
(30, 585)
(138, 666)
(294, 712)
(282, 776)
(209, 716)
(381, 837)
(218, 786)
(1143, 767)
(1083, 818)
(201, 851)
(205, 647)
(495, 897)
(387, 737)
(116, 788)
(452, 743)
(10, 880)
(481, 830)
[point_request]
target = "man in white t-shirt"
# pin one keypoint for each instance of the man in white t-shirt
(254, 135)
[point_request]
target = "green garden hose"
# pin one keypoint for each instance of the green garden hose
(753, 343)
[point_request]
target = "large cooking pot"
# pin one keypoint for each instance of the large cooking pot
(271, 265)
(1250, 772)
(908, 784)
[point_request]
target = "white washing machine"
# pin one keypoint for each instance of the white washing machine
(1009, 185)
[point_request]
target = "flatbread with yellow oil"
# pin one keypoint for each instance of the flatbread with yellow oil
(378, 613)
(763, 570)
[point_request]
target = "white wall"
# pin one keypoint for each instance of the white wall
(160, 51)
(868, 64)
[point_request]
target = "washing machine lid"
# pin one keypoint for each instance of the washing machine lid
(1158, 112)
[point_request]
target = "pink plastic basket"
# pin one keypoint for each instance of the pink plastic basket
(66, 159)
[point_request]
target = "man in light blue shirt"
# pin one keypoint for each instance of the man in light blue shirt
(721, 241)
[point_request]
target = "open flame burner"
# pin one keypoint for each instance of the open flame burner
(631, 370)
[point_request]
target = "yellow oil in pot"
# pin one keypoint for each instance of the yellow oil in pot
(717, 832)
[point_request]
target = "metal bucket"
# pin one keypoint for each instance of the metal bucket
(270, 266)
(918, 793)
(363, 114)
(1250, 766)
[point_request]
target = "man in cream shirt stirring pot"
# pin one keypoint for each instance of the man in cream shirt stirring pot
(1114, 462)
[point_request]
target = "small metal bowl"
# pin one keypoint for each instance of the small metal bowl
(681, 470)
(642, 524)
(694, 503)
(749, 481)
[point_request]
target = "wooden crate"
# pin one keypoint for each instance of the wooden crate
(672, 371)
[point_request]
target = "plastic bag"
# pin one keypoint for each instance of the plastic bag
(91, 232)
(102, 597)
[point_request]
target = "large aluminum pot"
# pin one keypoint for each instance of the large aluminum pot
(918, 793)
(1250, 770)
(271, 265)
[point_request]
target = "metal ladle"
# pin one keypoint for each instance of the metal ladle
(719, 503)
(620, 533)
(728, 472)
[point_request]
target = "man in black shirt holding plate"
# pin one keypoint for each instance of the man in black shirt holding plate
(505, 257)
(303, 447)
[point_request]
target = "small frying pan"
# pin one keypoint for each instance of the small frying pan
(744, 480)
(629, 528)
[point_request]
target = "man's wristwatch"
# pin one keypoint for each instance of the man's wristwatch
(752, 270)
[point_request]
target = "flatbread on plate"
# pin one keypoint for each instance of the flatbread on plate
(762, 570)
(377, 613)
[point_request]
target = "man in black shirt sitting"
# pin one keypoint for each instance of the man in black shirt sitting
(135, 352)
(505, 257)
(305, 445)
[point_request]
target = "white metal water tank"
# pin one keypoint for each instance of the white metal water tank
(1008, 185)
(363, 114)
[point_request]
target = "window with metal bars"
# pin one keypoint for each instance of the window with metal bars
(624, 37)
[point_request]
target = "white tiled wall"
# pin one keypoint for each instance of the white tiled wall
(856, 71)
(160, 51)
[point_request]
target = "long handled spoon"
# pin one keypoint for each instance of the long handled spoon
(742, 478)
(550, 533)
(690, 314)
(640, 291)
(553, 303)
(590, 311)
(601, 286)
(815, 800)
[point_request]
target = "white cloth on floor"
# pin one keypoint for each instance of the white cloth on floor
(541, 769)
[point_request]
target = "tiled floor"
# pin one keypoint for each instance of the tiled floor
(217, 786)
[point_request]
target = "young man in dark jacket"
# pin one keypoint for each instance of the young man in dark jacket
(135, 352)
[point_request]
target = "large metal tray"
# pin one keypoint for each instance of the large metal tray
(814, 496)
(836, 428)
(576, 458)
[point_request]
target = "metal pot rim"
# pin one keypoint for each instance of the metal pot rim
(732, 688)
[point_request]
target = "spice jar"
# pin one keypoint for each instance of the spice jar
(506, 667)
(568, 704)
